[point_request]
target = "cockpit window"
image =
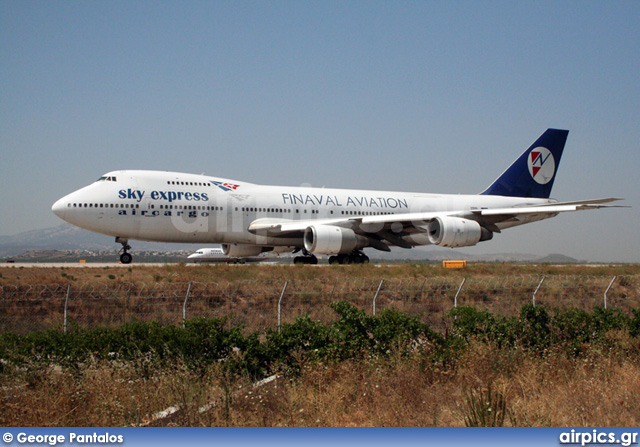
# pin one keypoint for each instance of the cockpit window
(106, 179)
(101, 179)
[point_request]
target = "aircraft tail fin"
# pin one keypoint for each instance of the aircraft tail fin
(533, 173)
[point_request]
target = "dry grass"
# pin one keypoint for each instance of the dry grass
(599, 389)
(596, 389)
(222, 273)
(250, 294)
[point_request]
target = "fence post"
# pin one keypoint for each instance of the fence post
(419, 295)
(605, 292)
(376, 296)
(534, 293)
(66, 305)
(455, 298)
(184, 306)
(280, 304)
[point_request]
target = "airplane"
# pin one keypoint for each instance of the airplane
(250, 219)
(217, 255)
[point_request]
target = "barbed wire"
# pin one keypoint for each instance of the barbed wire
(257, 304)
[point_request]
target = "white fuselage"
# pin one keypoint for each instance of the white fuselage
(176, 207)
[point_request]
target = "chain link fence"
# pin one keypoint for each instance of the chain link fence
(261, 305)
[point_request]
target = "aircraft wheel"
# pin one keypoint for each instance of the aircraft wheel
(365, 259)
(298, 260)
(334, 260)
(126, 258)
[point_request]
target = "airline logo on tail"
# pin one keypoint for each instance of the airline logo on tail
(542, 166)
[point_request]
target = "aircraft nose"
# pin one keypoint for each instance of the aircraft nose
(59, 208)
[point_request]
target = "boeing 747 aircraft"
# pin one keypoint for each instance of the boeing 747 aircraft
(249, 219)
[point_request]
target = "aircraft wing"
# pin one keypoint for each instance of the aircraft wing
(551, 208)
(392, 227)
(275, 227)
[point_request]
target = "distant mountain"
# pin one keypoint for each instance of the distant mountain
(69, 238)
(556, 258)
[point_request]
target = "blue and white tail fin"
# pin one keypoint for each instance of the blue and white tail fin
(533, 173)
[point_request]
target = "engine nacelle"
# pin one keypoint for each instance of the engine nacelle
(449, 231)
(331, 240)
(242, 251)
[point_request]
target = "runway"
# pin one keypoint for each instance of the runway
(115, 264)
(78, 264)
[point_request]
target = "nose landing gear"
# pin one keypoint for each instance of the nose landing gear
(125, 257)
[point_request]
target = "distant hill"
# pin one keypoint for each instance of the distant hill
(556, 258)
(69, 242)
(69, 237)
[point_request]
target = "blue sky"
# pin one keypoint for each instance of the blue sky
(409, 96)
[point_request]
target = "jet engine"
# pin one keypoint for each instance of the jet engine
(242, 250)
(449, 231)
(332, 240)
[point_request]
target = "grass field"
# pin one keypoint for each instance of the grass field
(456, 379)
(222, 272)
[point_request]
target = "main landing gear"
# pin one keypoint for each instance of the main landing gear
(308, 258)
(356, 257)
(125, 257)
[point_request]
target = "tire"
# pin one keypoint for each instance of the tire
(126, 258)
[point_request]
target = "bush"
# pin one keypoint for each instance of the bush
(203, 342)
